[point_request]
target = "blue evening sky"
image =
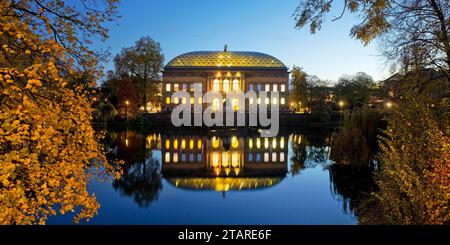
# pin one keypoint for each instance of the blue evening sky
(246, 25)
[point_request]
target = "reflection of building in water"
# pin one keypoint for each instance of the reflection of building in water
(223, 163)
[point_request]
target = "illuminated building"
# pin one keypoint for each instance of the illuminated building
(225, 71)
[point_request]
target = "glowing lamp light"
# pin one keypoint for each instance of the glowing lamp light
(127, 102)
(341, 103)
(389, 104)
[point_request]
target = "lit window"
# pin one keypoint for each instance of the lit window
(275, 88)
(258, 157)
(250, 157)
(250, 101)
(282, 101)
(168, 100)
(250, 143)
(282, 143)
(250, 87)
(167, 144)
(216, 85)
(267, 87)
(259, 101)
(175, 144)
(266, 157)
(192, 86)
(274, 143)
(200, 100)
(183, 157)
(175, 157)
(199, 144)
(266, 143)
(176, 100)
(226, 85)
(168, 87)
(167, 157)
(191, 144)
(176, 87)
(184, 87)
(235, 85)
(283, 88)
(183, 101)
(215, 104)
(183, 144)
(199, 157)
(267, 101)
(258, 143)
(191, 157)
(274, 156)
(235, 104)
(275, 101)
(192, 100)
(281, 156)
(259, 87)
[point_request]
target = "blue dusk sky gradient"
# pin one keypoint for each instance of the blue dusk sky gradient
(266, 26)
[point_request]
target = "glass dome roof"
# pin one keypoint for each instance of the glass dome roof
(225, 59)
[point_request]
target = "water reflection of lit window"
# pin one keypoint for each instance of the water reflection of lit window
(266, 143)
(191, 157)
(199, 157)
(250, 143)
(235, 160)
(167, 157)
(282, 143)
(281, 156)
(199, 144)
(258, 157)
(274, 156)
(175, 144)
(215, 142)
(225, 160)
(274, 143)
(175, 157)
(167, 144)
(234, 142)
(266, 157)
(191, 144)
(215, 159)
(183, 144)
(250, 157)
(258, 143)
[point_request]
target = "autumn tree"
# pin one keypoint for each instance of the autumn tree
(414, 180)
(143, 64)
(47, 144)
(414, 28)
(299, 92)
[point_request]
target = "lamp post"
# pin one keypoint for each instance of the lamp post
(126, 109)
(341, 106)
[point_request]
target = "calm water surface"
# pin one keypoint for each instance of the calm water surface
(224, 177)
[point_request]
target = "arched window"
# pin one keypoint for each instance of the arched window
(226, 85)
(216, 85)
(168, 100)
(235, 85)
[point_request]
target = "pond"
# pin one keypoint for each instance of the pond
(225, 177)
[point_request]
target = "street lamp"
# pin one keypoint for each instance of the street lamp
(341, 106)
(126, 109)
(389, 105)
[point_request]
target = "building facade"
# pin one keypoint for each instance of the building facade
(225, 71)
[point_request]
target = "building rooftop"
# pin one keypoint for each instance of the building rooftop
(226, 59)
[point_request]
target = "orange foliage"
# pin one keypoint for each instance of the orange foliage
(48, 148)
